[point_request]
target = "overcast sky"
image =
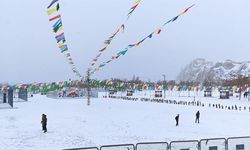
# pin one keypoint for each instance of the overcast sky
(214, 29)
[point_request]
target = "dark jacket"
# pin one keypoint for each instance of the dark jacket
(198, 114)
(177, 118)
(44, 120)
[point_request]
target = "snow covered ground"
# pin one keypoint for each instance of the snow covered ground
(72, 124)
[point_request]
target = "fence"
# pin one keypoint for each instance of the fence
(86, 148)
(152, 146)
(232, 143)
(213, 144)
(238, 143)
(184, 145)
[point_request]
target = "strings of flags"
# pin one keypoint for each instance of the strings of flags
(56, 20)
(57, 28)
(123, 85)
(137, 44)
(120, 29)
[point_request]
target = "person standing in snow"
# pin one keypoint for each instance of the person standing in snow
(44, 123)
(245, 95)
(177, 120)
(197, 120)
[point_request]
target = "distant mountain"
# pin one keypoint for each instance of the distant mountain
(200, 70)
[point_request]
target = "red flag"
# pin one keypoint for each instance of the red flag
(59, 35)
(158, 31)
(133, 7)
(56, 17)
(187, 9)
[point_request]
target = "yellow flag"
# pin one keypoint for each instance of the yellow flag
(138, 1)
(51, 11)
(61, 44)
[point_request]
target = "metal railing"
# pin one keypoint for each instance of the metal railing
(232, 143)
(152, 146)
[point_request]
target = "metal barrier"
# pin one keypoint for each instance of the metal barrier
(86, 148)
(232, 143)
(184, 145)
(118, 147)
(152, 146)
(213, 144)
(238, 143)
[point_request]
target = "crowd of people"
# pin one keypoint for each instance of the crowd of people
(168, 101)
(159, 100)
(230, 107)
(180, 102)
(187, 103)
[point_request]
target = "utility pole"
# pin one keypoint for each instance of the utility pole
(88, 87)
(164, 85)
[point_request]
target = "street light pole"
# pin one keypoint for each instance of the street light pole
(164, 85)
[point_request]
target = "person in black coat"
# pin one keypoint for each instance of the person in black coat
(44, 123)
(245, 95)
(177, 119)
(197, 120)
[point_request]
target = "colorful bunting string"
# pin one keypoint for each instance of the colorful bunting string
(132, 9)
(120, 29)
(123, 85)
(125, 50)
(57, 28)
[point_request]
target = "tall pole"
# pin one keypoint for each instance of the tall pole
(88, 87)
(164, 85)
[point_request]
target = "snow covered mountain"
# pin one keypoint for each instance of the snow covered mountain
(200, 70)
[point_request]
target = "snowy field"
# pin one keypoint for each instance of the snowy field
(72, 124)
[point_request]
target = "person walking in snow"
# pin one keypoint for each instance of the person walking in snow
(197, 120)
(177, 119)
(44, 123)
(245, 95)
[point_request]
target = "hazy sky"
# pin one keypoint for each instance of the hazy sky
(214, 29)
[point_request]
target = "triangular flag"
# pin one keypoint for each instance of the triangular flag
(175, 18)
(123, 52)
(123, 27)
(57, 6)
(52, 3)
(151, 35)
